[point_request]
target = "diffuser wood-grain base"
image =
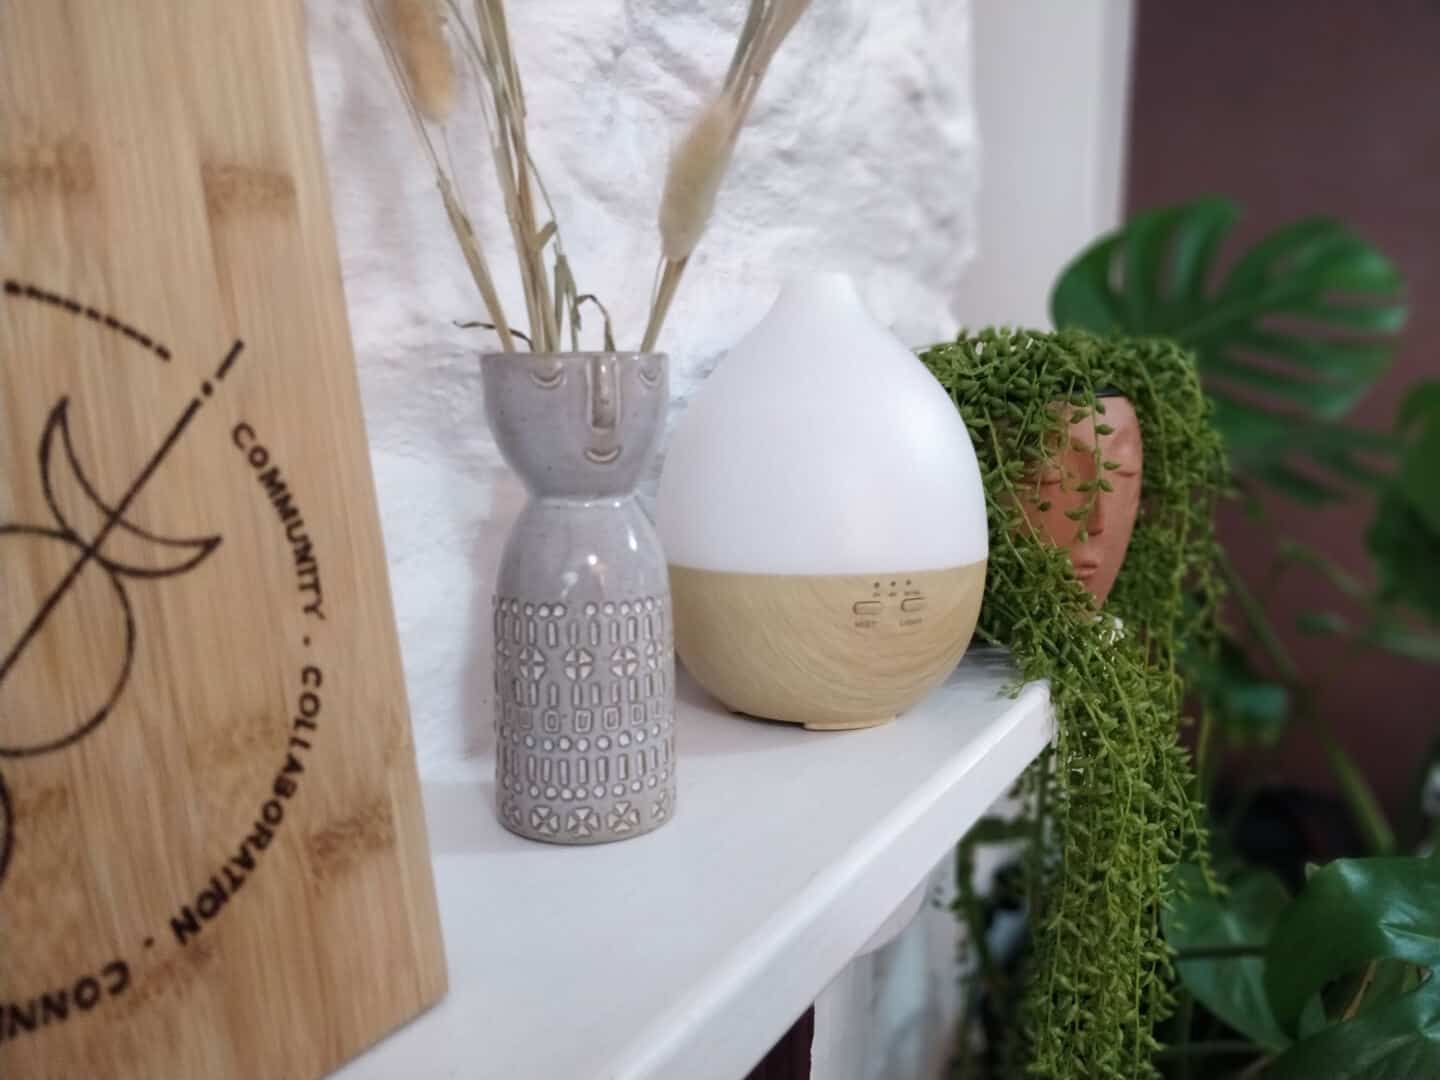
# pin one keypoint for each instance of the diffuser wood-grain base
(829, 651)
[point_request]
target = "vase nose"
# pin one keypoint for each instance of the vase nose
(579, 425)
(602, 380)
(604, 394)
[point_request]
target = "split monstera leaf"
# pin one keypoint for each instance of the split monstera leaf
(1288, 338)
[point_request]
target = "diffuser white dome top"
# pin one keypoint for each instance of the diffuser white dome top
(821, 445)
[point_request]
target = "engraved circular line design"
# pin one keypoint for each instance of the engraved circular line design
(104, 711)
(115, 516)
(20, 290)
(7, 832)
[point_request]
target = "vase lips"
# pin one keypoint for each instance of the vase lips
(821, 445)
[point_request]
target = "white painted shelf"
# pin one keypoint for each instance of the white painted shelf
(687, 952)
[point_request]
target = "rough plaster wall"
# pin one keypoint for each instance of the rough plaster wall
(861, 155)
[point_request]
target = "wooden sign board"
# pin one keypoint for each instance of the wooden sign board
(213, 861)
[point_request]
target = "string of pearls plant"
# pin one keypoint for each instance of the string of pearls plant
(1113, 808)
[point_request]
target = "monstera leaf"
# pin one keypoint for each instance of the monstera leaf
(1405, 536)
(1250, 707)
(1418, 423)
(1353, 913)
(1233, 988)
(1406, 550)
(1404, 543)
(1288, 339)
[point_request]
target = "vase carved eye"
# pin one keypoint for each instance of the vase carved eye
(547, 376)
(650, 375)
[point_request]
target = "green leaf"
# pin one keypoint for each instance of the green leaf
(1406, 551)
(1289, 340)
(1399, 1041)
(1232, 988)
(1298, 485)
(1421, 407)
(1392, 979)
(1265, 445)
(1321, 395)
(1402, 641)
(1249, 707)
(1324, 623)
(1351, 912)
(1418, 477)
(1387, 633)
(1419, 419)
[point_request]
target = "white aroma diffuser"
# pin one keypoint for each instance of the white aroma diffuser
(822, 514)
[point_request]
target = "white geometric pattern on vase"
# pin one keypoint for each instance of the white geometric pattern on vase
(585, 733)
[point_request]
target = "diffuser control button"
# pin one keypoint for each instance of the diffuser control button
(913, 603)
(868, 607)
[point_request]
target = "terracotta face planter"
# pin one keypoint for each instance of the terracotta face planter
(1098, 543)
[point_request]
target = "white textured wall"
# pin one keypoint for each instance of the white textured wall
(861, 155)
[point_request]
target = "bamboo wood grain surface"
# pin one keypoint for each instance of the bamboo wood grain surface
(213, 861)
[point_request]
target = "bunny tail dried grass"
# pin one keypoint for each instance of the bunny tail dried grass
(419, 37)
(699, 161)
(697, 167)
(459, 220)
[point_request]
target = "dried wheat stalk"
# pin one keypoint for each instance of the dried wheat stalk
(406, 80)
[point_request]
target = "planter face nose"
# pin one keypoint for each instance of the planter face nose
(1097, 544)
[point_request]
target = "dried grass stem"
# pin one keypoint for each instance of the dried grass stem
(413, 39)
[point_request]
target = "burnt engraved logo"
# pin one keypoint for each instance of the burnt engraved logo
(89, 553)
(104, 559)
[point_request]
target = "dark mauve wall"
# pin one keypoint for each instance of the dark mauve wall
(1294, 108)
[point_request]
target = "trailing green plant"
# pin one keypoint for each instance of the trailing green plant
(1112, 811)
(1287, 339)
(1339, 981)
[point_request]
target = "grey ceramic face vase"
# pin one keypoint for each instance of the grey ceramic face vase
(584, 654)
